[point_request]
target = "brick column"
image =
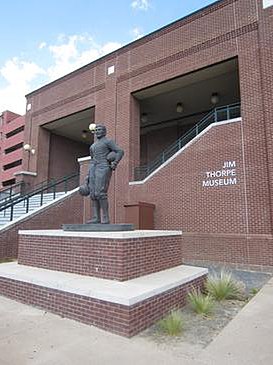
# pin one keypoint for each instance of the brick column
(266, 57)
(253, 136)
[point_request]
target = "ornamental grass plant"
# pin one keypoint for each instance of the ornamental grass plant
(201, 303)
(224, 287)
(172, 324)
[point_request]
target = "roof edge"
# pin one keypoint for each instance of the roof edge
(154, 34)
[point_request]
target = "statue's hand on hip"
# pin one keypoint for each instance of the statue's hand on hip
(113, 165)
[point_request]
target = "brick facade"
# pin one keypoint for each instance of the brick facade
(67, 148)
(227, 29)
(11, 146)
(248, 252)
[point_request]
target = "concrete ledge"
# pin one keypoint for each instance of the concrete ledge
(30, 173)
(126, 293)
(124, 308)
(106, 235)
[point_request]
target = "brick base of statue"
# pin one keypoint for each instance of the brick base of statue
(115, 256)
(127, 281)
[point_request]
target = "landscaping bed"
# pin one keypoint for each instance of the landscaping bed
(199, 330)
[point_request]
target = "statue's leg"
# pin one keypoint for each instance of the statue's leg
(92, 180)
(105, 211)
(95, 211)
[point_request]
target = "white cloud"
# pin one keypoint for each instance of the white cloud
(140, 4)
(42, 45)
(137, 33)
(18, 76)
(68, 54)
(74, 52)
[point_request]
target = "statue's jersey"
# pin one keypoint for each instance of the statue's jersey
(100, 149)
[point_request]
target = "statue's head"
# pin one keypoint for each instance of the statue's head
(100, 131)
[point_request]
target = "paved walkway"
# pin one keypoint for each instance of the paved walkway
(29, 336)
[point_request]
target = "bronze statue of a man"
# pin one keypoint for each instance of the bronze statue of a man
(105, 155)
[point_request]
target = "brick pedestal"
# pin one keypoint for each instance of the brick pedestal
(113, 255)
(127, 281)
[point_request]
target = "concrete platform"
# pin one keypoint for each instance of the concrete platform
(121, 307)
(114, 235)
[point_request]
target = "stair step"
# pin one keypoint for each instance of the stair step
(34, 203)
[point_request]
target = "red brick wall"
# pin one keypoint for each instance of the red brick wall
(115, 259)
(251, 252)
(157, 141)
(216, 221)
(177, 192)
(266, 56)
(62, 159)
(10, 122)
(9, 116)
(67, 211)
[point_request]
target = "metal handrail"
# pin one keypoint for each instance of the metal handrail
(50, 187)
(216, 115)
(14, 197)
(8, 193)
(17, 195)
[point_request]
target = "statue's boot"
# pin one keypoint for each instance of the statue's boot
(95, 212)
(105, 211)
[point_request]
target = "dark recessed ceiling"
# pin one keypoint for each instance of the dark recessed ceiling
(193, 91)
(72, 126)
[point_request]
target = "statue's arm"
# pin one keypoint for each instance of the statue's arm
(114, 147)
(91, 151)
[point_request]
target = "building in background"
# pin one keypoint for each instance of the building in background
(11, 146)
(191, 105)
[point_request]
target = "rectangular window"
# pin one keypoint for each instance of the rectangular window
(8, 182)
(13, 148)
(12, 164)
(15, 131)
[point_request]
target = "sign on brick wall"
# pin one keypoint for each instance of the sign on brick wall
(226, 175)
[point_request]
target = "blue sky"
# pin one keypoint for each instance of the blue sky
(44, 40)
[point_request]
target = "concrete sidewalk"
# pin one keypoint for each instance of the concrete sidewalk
(248, 338)
(29, 336)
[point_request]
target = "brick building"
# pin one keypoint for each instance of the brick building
(11, 146)
(205, 81)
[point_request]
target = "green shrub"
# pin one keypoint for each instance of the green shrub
(224, 287)
(254, 291)
(200, 303)
(172, 324)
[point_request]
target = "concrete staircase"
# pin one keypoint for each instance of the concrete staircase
(19, 209)
(220, 114)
